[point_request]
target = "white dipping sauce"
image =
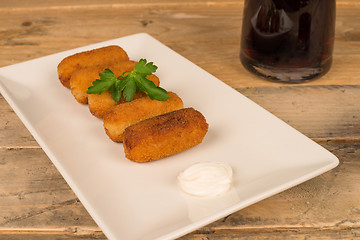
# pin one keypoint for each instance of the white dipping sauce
(206, 179)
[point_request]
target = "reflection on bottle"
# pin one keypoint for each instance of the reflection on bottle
(271, 20)
(269, 26)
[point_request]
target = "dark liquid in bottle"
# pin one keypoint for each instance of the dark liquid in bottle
(288, 40)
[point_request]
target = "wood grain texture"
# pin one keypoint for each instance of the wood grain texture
(36, 4)
(291, 234)
(12, 131)
(320, 112)
(26, 5)
(45, 235)
(34, 194)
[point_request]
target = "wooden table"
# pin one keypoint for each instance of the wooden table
(36, 202)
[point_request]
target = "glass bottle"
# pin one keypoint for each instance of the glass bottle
(288, 40)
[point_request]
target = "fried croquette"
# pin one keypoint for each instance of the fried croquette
(99, 104)
(121, 116)
(164, 135)
(99, 56)
(83, 78)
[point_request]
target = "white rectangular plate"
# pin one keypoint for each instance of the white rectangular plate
(142, 201)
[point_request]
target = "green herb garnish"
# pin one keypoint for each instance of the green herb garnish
(129, 82)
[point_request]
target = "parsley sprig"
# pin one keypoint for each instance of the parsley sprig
(129, 82)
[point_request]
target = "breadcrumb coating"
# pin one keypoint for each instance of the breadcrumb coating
(99, 56)
(164, 135)
(121, 116)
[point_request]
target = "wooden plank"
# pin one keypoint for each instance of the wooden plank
(25, 5)
(292, 234)
(280, 234)
(34, 197)
(46, 235)
(13, 133)
(47, 4)
(212, 41)
(320, 112)
(33, 194)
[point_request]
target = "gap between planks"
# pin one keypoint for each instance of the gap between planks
(269, 229)
(74, 230)
(91, 231)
